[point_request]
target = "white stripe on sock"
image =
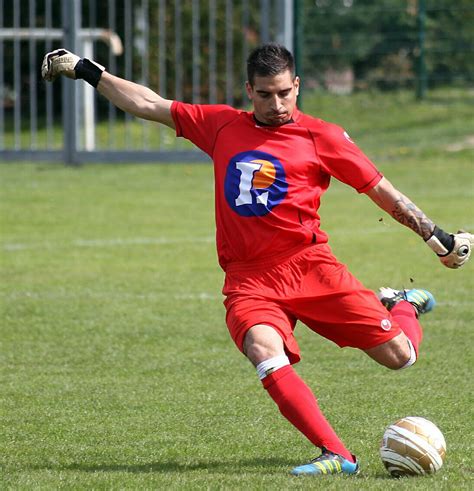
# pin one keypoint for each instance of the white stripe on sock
(412, 359)
(268, 366)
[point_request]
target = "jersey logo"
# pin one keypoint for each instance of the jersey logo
(255, 183)
(348, 138)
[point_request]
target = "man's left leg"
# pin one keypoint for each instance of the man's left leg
(405, 306)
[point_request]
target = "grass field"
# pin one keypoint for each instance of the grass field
(117, 370)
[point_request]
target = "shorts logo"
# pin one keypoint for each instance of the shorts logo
(386, 325)
(255, 183)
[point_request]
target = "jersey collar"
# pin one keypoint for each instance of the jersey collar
(294, 117)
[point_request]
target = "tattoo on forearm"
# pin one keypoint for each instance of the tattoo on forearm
(410, 215)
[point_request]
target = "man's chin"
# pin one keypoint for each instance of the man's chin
(278, 120)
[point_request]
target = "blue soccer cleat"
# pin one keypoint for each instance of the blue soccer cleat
(327, 463)
(422, 300)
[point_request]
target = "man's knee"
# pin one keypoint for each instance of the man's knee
(261, 343)
(399, 362)
(396, 354)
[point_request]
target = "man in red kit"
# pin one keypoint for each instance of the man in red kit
(271, 167)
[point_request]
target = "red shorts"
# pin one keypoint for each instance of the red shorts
(310, 286)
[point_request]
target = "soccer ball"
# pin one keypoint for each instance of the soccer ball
(412, 446)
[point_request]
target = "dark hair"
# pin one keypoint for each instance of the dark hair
(269, 60)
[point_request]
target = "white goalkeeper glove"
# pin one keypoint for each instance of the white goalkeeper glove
(453, 250)
(63, 62)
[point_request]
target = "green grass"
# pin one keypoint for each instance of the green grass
(397, 126)
(117, 370)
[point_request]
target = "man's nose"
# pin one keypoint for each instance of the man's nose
(276, 103)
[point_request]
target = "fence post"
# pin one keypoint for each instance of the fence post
(298, 45)
(421, 72)
(285, 24)
(71, 20)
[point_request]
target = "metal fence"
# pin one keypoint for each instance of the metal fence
(351, 45)
(195, 50)
(69, 121)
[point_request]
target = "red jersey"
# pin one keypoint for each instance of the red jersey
(269, 179)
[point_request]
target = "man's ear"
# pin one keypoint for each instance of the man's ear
(249, 89)
(296, 82)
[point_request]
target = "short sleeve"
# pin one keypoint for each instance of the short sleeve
(200, 123)
(341, 157)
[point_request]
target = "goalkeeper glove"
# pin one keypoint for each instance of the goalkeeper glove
(453, 250)
(63, 62)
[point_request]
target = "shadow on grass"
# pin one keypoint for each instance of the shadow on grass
(221, 466)
(268, 465)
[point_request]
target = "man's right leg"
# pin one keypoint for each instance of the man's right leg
(265, 349)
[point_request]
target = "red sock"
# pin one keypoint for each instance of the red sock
(404, 314)
(299, 406)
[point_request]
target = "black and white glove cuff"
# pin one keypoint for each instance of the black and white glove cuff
(441, 242)
(88, 70)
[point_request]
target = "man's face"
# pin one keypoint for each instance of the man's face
(274, 97)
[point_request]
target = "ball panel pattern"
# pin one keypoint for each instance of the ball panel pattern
(412, 446)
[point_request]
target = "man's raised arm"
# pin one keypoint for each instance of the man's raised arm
(136, 99)
(132, 98)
